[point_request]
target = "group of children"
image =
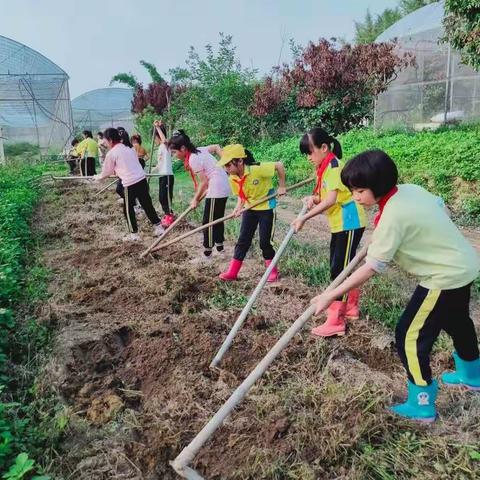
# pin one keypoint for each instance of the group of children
(412, 229)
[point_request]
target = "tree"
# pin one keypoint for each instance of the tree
(329, 86)
(462, 29)
(126, 78)
(217, 93)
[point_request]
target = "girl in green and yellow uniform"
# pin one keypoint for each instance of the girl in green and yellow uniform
(252, 181)
(345, 217)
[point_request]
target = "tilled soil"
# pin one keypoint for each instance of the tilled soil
(135, 338)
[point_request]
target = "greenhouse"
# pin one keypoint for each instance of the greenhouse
(102, 108)
(439, 89)
(34, 98)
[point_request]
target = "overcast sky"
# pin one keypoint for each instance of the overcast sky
(94, 39)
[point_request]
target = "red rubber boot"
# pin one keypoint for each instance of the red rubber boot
(274, 274)
(352, 311)
(335, 324)
(232, 272)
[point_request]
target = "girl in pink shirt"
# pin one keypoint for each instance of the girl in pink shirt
(122, 161)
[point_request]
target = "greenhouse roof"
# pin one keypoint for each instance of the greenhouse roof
(18, 59)
(104, 100)
(426, 18)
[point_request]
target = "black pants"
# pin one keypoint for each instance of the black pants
(119, 189)
(138, 191)
(165, 193)
(87, 166)
(214, 209)
(343, 247)
(426, 315)
(265, 219)
(72, 163)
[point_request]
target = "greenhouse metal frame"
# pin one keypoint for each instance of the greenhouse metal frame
(34, 98)
(439, 89)
(99, 109)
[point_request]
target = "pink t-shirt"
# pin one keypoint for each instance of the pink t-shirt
(123, 162)
(205, 163)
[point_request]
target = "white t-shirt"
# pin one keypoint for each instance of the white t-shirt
(205, 163)
(164, 160)
(123, 162)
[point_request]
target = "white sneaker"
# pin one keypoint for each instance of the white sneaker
(131, 237)
(138, 209)
(120, 200)
(158, 230)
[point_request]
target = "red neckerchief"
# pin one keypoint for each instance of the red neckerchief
(240, 183)
(186, 165)
(321, 170)
(382, 202)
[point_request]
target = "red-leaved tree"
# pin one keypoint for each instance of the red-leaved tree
(157, 95)
(330, 86)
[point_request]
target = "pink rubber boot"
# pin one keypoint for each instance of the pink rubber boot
(274, 274)
(352, 311)
(232, 272)
(335, 324)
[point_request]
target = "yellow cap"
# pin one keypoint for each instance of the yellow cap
(230, 152)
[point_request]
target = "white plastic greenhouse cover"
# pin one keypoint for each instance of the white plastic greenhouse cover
(34, 97)
(426, 18)
(102, 108)
(439, 88)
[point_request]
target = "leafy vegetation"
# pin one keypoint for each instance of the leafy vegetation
(462, 29)
(24, 423)
(445, 161)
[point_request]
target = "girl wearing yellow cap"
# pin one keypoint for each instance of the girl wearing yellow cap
(252, 181)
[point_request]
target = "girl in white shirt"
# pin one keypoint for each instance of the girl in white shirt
(208, 180)
(164, 168)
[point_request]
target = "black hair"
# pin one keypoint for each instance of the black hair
(181, 139)
(163, 129)
(137, 138)
(248, 160)
(88, 133)
(124, 138)
(112, 135)
(318, 136)
(100, 134)
(74, 142)
(120, 129)
(372, 169)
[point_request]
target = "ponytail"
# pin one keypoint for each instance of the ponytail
(181, 139)
(249, 160)
(318, 137)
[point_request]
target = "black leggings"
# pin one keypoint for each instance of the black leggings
(165, 193)
(343, 247)
(214, 209)
(426, 315)
(138, 191)
(265, 220)
(87, 166)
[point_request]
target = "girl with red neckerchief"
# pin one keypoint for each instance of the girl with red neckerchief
(346, 219)
(208, 180)
(414, 230)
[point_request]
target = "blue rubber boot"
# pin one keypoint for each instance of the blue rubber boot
(420, 404)
(466, 374)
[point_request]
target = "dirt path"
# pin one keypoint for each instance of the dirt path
(135, 337)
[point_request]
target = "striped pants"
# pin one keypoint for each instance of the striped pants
(214, 209)
(343, 247)
(426, 315)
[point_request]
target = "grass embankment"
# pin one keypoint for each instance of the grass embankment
(447, 161)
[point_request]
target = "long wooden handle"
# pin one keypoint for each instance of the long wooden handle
(230, 216)
(89, 177)
(105, 188)
(166, 232)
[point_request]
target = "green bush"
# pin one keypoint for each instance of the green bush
(434, 160)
